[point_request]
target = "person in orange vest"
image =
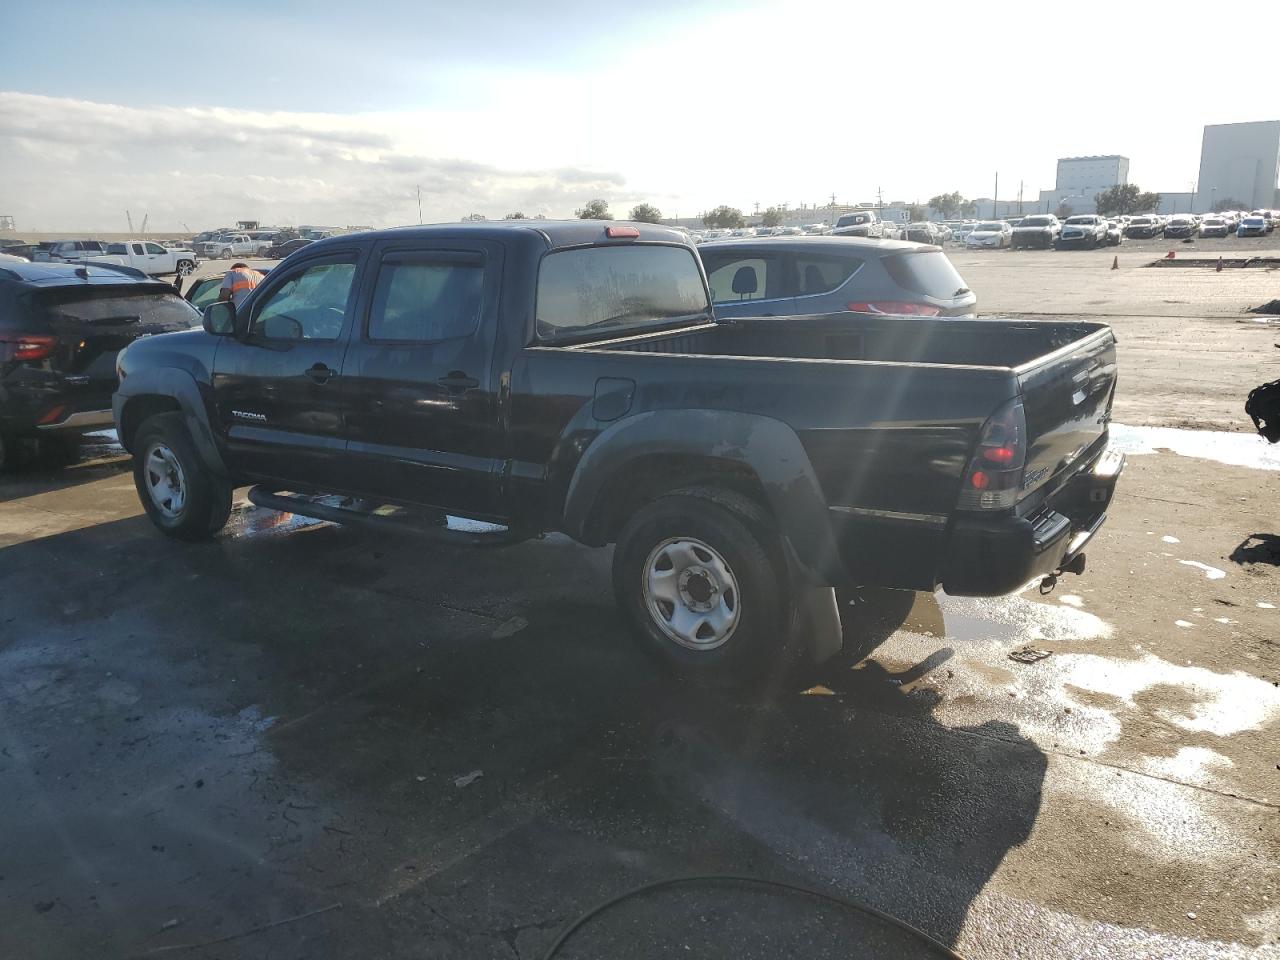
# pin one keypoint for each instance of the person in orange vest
(240, 279)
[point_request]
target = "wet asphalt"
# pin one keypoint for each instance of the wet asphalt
(305, 741)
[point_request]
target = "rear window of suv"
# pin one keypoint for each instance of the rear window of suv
(617, 287)
(928, 273)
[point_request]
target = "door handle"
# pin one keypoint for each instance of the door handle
(320, 373)
(457, 380)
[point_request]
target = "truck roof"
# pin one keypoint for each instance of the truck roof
(556, 234)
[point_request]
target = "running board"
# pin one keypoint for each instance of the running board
(389, 518)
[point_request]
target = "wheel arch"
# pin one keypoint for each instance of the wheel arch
(642, 457)
(162, 390)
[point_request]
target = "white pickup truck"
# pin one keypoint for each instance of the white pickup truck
(228, 245)
(151, 258)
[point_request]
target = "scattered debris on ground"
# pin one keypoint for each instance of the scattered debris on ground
(1028, 655)
(467, 779)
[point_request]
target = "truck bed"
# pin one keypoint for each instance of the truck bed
(984, 343)
(888, 416)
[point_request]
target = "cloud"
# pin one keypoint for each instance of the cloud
(77, 165)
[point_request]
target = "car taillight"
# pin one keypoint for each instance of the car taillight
(27, 346)
(993, 478)
(898, 307)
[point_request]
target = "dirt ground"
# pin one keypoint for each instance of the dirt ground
(268, 746)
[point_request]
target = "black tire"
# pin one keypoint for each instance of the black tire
(740, 532)
(206, 497)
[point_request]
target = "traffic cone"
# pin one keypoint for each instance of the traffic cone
(1169, 255)
(1115, 263)
(1219, 269)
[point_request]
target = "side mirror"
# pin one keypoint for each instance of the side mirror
(220, 318)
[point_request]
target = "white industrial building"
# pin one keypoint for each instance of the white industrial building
(1239, 161)
(1080, 179)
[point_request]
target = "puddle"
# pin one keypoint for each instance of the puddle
(250, 521)
(1234, 449)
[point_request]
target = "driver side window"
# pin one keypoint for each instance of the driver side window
(310, 305)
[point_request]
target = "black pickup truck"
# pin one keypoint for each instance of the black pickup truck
(487, 383)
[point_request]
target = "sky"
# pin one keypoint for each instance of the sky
(342, 113)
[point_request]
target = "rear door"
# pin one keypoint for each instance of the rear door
(747, 282)
(278, 390)
(420, 386)
(822, 282)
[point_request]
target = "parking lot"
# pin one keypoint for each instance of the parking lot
(304, 740)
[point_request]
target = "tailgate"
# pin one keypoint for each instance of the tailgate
(93, 324)
(1067, 399)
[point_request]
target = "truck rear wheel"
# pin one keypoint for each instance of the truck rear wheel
(699, 576)
(181, 495)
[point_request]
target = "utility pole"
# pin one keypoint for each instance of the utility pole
(419, 206)
(833, 209)
(757, 208)
(995, 199)
(880, 202)
(1020, 184)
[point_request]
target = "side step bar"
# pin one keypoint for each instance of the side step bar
(446, 529)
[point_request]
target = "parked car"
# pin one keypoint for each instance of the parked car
(1181, 227)
(1268, 217)
(65, 251)
(762, 278)
(1144, 228)
(1038, 230)
(922, 232)
(278, 251)
(151, 258)
(570, 377)
(1082, 230)
(892, 230)
(1115, 233)
(1252, 226)
(227, 245)
(1214, 227)
(862, 223)
(61, 326)
(989, 233)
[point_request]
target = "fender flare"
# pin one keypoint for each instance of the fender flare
(768, 447)
(182, 387)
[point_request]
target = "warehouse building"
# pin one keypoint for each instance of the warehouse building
(1239, 161)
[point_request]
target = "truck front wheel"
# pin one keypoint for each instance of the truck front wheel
(181, 495)
(699, 577)
(185, 267)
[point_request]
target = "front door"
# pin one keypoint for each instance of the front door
(421, 389)
(278, 388)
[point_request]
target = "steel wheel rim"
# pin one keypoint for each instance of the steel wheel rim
(165, 481)
(691, 593)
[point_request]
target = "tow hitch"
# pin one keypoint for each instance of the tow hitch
(1074, 565)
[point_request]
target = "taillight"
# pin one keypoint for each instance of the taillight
(622, 232)
(993, 478)
(27, 346)
(897, 307)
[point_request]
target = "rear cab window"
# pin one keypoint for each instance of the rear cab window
(620, 289)
(927, 272)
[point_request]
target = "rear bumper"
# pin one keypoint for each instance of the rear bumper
(81, 420)
(990, 556)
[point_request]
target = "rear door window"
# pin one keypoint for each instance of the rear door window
(618, 287)
(817, 273)
(425, 297)
(744, 275)
(928, 273)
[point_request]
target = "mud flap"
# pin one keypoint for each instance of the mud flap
(816, 623)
